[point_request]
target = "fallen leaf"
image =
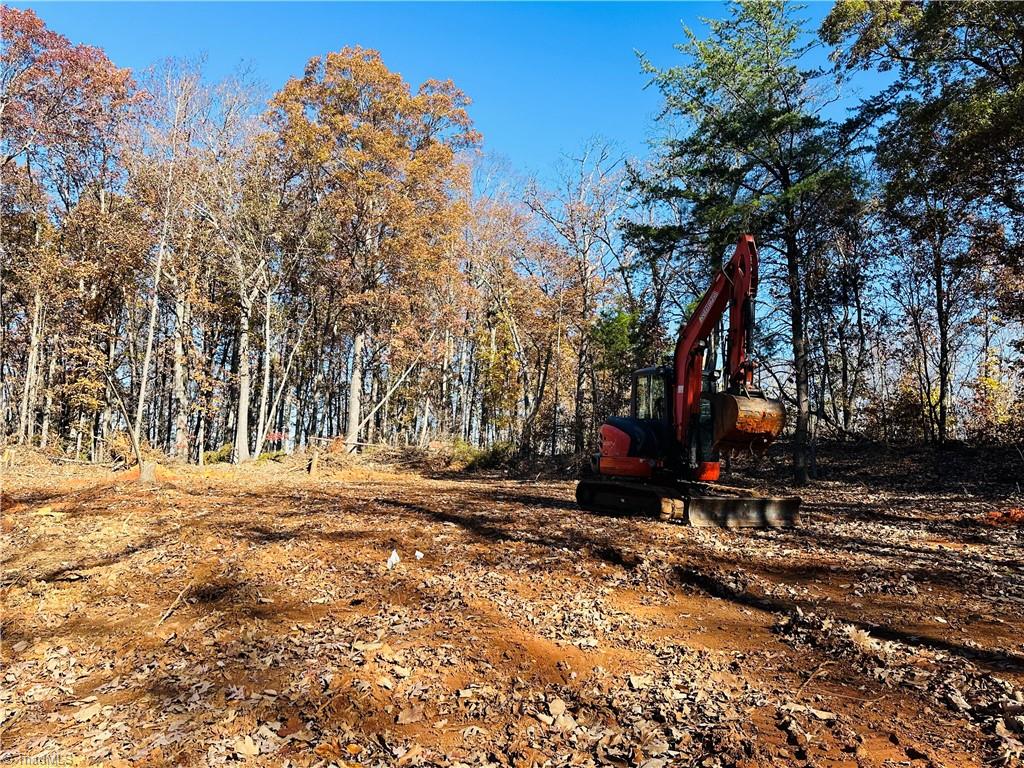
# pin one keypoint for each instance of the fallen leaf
(412, 754)
(328, 750)
(565, 723)
(411, 714)
(88, 713)
(292, 725)
(246, 747)
(819, 714)
(639, 682)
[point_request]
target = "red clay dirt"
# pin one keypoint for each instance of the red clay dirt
(249, 615)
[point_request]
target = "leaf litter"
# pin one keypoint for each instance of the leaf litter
(533, 634)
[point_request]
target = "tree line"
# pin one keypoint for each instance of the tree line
(192, 268)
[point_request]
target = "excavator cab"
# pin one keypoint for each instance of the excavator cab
(702, 449)
(644, 444)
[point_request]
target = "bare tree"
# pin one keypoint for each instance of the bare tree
(581, 212)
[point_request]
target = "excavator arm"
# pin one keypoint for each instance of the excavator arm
(734, 287)
(744, 419)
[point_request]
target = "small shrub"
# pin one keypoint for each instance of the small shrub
(273, 455)
(119, 446)
(462, 455)
(220, 455)
(497, 455)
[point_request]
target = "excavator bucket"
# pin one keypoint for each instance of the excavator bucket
(746, 423)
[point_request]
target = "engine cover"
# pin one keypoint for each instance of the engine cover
(633, 447)
(615, 442)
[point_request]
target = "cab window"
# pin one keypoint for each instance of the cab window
(658, 400)
(650, 397)
(643, 397)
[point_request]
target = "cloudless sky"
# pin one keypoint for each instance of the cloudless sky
(543, 77)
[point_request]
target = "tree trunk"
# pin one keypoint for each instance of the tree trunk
(423, 423)
(858, 364)
(298, 429)
(581, 377)
(796, 314)
(181, 448)
(844, 370)
(147, 356)
(533, 407)
(371, 424)
(355, 388)
(107, 417)
(261, 428)
(51, 371)
(384, 410)
(242, 413)
(78, 436)
(942, 317)
(283, 422)
(27, 398)
(558, 375)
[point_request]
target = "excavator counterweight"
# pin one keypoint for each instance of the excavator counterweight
(663, 458)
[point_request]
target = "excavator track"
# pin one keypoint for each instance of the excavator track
(688, 504)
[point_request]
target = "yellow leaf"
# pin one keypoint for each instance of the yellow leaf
(88, 713)
(246, 747)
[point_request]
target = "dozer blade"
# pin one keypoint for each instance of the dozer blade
(625, 498)
(742, 511)
(746, 423)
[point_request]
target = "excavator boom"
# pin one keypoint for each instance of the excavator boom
(745, 419)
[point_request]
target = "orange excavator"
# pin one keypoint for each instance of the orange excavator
(664, 458)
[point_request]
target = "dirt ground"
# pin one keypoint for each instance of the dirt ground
(251, 615)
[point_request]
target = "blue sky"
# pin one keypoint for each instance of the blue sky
(543, 77)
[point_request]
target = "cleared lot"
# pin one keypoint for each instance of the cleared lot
(250, 614)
